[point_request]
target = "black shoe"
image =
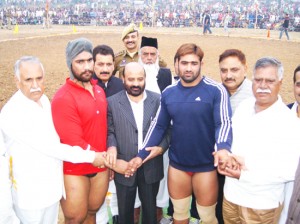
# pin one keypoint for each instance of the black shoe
(115, 219)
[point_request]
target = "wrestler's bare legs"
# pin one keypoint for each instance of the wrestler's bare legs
(204, 185)
(85, 195)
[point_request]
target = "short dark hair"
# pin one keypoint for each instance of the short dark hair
(296, 70)
(103, 50)
(233, 53)
(175, 58)
(189, 48)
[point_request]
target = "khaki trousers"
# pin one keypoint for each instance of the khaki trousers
(235, 214)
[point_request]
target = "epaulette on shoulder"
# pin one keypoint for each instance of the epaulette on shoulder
(120, 53)
(164, 68)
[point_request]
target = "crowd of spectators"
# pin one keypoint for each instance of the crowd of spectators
(168, 13)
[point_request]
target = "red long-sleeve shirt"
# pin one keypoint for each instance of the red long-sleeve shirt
(80, 119)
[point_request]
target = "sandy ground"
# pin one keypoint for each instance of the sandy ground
(49, 45)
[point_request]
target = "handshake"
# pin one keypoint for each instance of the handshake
(229, 164)
(109, 159)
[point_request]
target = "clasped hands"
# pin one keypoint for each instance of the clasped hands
(109, 159)
(229, 164)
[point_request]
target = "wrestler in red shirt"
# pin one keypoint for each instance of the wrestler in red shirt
(79, 114)
(80, 119)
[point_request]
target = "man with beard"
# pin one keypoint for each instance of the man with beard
(168, 217)
(130, 113)
(157, 80)
(201, 121)
(130, 38)
(79, 110)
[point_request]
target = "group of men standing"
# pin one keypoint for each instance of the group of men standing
(144, 128)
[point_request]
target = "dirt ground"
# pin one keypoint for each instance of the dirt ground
(49, 45)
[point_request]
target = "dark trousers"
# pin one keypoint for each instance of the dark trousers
(219, 207)
(193, 210)
(126, 198)
(206, 28)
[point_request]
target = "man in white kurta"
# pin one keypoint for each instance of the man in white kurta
(7, 214)
(267, 142)
(34, 148)
(264, 131)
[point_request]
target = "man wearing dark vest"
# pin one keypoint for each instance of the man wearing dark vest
(157, 79)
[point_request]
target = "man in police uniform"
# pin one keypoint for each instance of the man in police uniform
(130, 38)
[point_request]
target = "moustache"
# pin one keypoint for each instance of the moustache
(229, 79)
(38, 89)
(87, 71)
(138, 87)
(259, 90)
(104, 73)
(130, 42)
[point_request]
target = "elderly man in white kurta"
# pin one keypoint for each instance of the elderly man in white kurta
(7, 214)
(264, 131)
(34, 148)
